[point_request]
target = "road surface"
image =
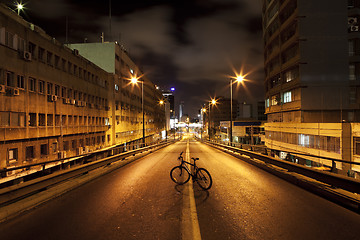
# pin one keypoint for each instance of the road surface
(139, 201)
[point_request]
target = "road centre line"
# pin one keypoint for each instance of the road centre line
(189, 221)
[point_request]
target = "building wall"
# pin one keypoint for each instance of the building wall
(311, 92)
(54, 103)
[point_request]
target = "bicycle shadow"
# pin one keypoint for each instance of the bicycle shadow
(200, 194)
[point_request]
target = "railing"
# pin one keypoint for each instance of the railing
(14, 193)
(334, 180)
(48, 167)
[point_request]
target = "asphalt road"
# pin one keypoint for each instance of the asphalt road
(139, 201)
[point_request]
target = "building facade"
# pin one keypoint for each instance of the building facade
(55, 103)
(311, 77)
(127, 105)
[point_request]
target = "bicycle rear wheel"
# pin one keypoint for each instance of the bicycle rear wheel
(179, 175)
(203, 178)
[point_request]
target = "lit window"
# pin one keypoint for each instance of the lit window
(287, 97)
(352, 76)
(267, 103)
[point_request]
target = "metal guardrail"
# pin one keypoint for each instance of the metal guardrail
(17, 192)
(335, 180)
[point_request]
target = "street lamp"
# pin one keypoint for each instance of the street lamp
(161, 102)
(203, 111)
(135, 80)
(212, 102)
(19, 7)
(238, 79)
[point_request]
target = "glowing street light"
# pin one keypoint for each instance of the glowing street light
(162, 102)
(19, 7)
(238, 79)
(135, 80)
(212, 102)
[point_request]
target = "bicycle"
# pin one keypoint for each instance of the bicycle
(181, 174)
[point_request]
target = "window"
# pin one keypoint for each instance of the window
(57, 120)
(57, 90)
(73, 144)
(54, 147)
(287, 97)
(352, 73)
(13, 154)
(41, 119)
(267, 103)
(29, 153)
(69, 67)
(41, 86)
(63, 65)
(32, 49)
(49, 58)
(9, 80)
(357, 146)
(63, 92)
(275, 100)
(9, 39)
(32, 119)
(49, 90)
(351, 47)
(41, 54)
(17, 119)
(50, 120)
(20, 81)
(66, 145)
(32, 84)
(44, 149)
(57, 62)
(291, 74)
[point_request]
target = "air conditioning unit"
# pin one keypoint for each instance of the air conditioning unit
(27, 56)
(2, 88)
(84, 104)
(352, 20)
(61, 154)
(52, 98)
(354, 28)
(79, 151)
(15, 92)
(76, 52)
(79, 103)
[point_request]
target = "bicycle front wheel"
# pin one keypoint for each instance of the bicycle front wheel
(203, 178)
(179, 175)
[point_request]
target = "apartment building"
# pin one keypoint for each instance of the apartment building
(127, 105)
(55, 103)
(311, 78)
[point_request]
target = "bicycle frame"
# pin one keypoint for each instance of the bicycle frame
(183, 163)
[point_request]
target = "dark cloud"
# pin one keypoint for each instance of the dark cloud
(193, 45)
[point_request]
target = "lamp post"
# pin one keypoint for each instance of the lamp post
(212, 102)
(238, 79)
(161, 102)
(203, 110)
(135, 80)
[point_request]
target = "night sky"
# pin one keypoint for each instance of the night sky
(192, 45)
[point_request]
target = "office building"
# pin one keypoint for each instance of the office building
(311, 78)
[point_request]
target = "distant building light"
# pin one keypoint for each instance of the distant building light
(172, 89)
(132, 71)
